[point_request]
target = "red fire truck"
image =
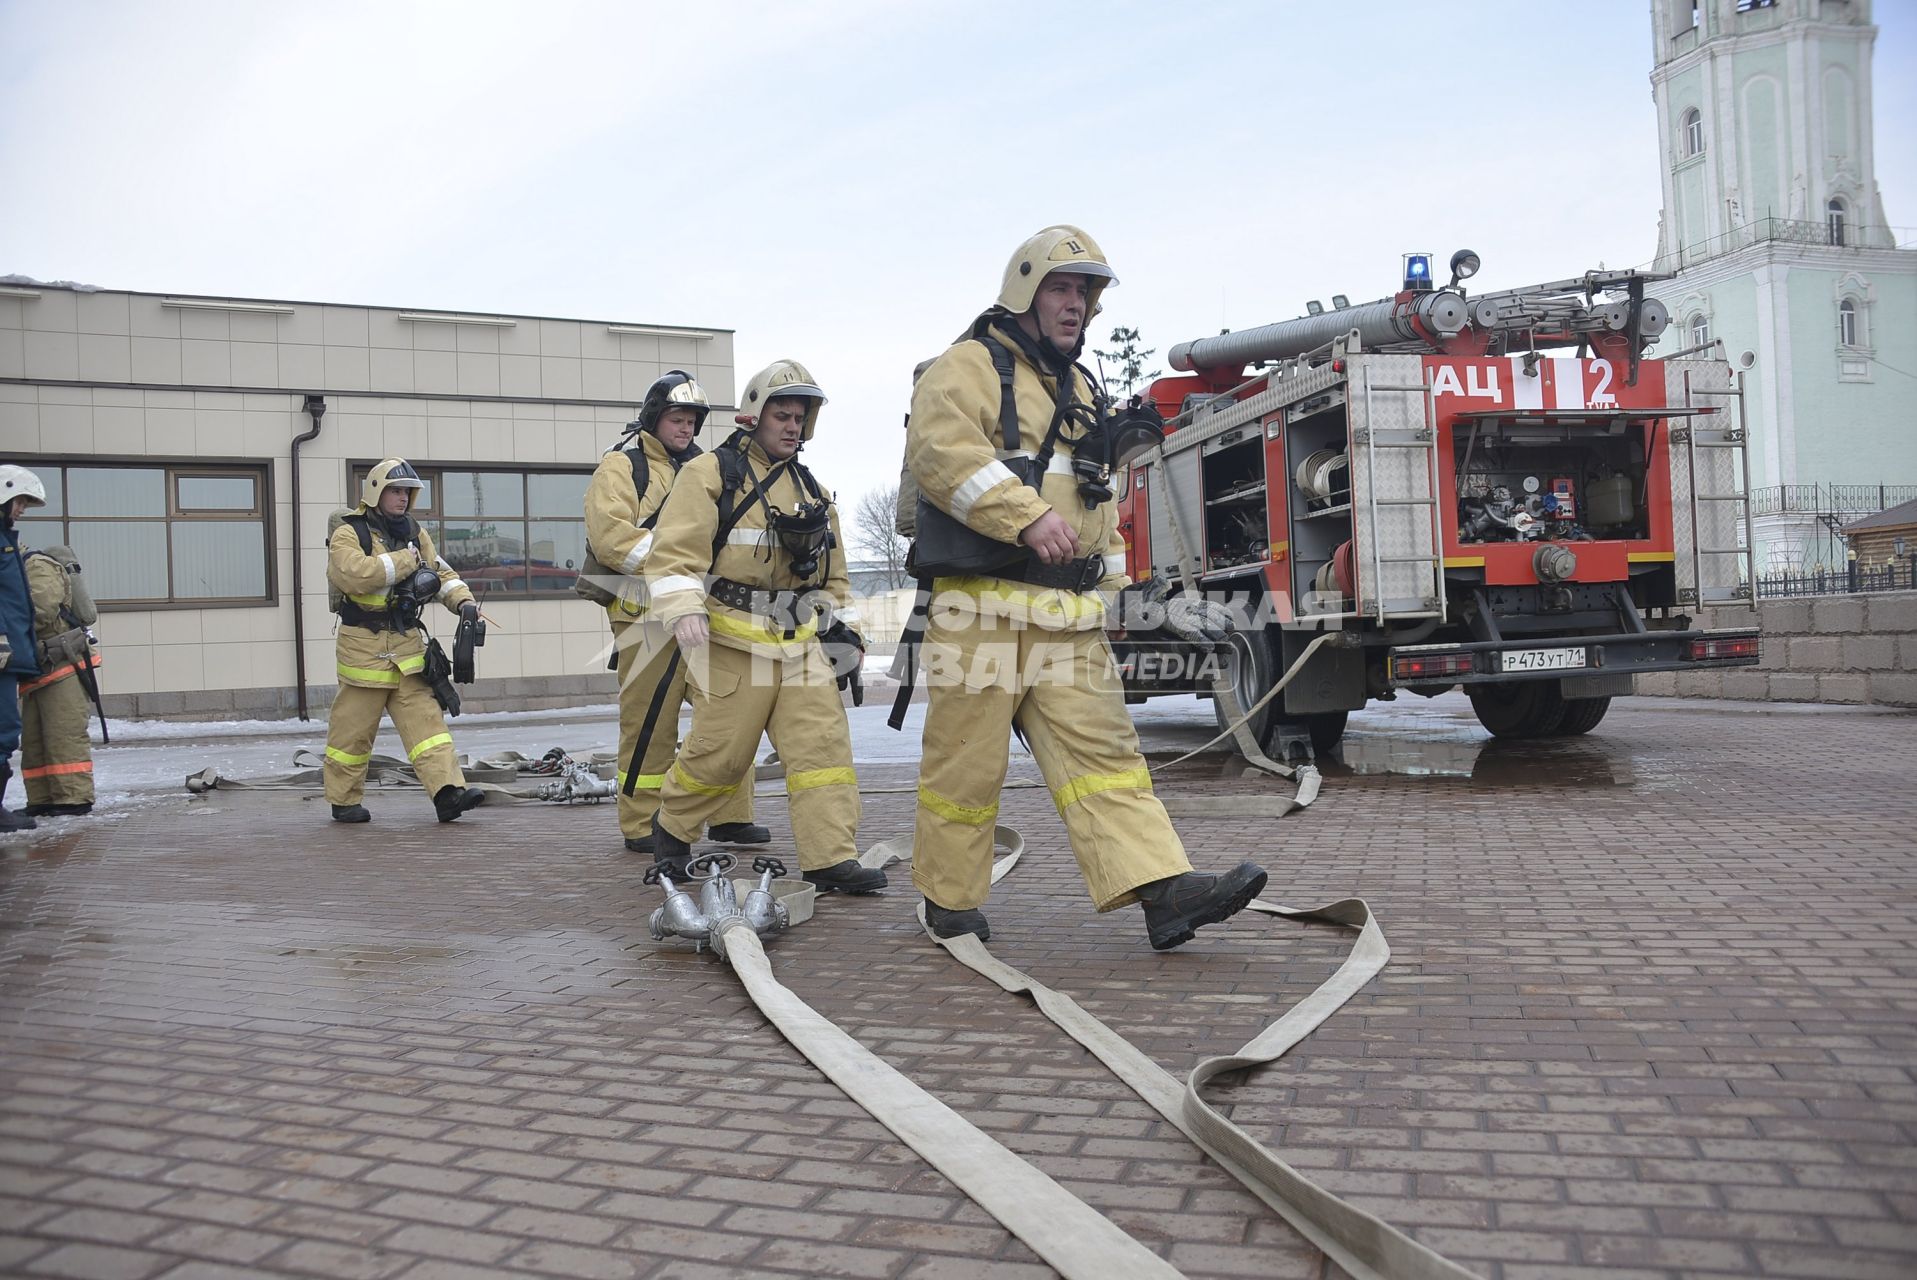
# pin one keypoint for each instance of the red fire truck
(1493, 491)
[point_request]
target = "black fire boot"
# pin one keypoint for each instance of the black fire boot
(450, 801)
(11, 821)
(846, 877)
(59, 810)
(1178, 906)
(669, 853)
(639, 844)
(351, 813)
(950, 924)
(739, 833)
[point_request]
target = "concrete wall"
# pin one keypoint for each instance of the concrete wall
(1858, 649)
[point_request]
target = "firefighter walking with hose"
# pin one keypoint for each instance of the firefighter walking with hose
(1014, 448)
(623, 502)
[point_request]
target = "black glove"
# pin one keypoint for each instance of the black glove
(845, 650)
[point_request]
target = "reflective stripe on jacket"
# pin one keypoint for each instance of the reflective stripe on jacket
(378, 659)
(682, 556)
(614, 513)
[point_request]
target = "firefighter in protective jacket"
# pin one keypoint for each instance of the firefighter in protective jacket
(19, 646)
(619, 528)
(56, 756)
(386, 569)
(748, 546)
(1023, 644)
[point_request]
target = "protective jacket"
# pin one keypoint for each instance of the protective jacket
(751, 553)
(619, 518)
(16, 607)
(955, 450)
(48, 583)
(376, 658)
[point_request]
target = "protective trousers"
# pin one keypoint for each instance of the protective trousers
(354, 722)
(645, 650)
(736, 696)
(56, 758)
(1064, 691)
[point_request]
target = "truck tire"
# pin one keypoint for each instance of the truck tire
(1252, 668)
(1581, 715)
(1519, 708)
(1327, 729)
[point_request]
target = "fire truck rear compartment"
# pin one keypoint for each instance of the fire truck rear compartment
(1548, 480)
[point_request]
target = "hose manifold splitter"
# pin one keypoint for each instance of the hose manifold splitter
(700, 921)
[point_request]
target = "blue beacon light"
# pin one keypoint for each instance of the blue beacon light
(1417, 271)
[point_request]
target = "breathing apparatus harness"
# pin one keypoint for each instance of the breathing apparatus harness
(406, 605)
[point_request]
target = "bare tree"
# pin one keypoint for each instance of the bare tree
(875, 536)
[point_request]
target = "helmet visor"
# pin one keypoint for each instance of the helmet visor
(402, 476)
(1097, 270)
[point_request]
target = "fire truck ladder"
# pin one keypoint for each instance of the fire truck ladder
(1695, 435)
(1423, 439)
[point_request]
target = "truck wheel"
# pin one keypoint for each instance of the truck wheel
(1519, 708)
(1250, 667)
(1581, 715)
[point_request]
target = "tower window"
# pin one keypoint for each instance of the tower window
(1834, 213)
(1700, 329)
(1847, 323)
(1697, 15)
(1693, 133)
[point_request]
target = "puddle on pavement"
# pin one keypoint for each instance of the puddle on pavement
(1466, 755)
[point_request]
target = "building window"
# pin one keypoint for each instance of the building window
(1849, 333)
(1693, 133)
(1700, 329)
(505, 530)
(1697, 15)
(154, 534)
(1834, 220)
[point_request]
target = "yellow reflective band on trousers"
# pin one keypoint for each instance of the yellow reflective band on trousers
(347, 757)
(1055, 601)
(378, 675)
(412, 665)
(424, 745)
(820, 778)
(692, 784)
(641, 781)
(951, 812)
(1091, 784)
(759, 632)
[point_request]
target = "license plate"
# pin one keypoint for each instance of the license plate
(1541, 659)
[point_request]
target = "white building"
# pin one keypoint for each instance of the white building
(1783, 253)
(184, 463)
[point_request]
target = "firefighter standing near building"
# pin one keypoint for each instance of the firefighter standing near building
(1023, 643)
(19, 646)
(753, 518)
(386, 571)
(619, 528)
(56, 756)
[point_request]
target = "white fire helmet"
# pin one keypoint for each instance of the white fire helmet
(781, 378)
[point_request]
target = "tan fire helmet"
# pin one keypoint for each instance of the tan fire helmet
(1060, 248)
(781, 378)
(393, 473)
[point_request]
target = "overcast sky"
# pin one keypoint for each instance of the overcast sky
(840, 182)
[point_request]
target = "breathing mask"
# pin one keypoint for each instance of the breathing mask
(806, 534)
(1114, 440)
(411, 595)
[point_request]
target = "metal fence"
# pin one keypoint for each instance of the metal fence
(1856, 500)
(1850, 580)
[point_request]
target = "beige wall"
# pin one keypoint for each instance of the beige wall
(538, 391)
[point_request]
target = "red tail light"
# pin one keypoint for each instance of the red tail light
(1424, 666)
(1714, 649)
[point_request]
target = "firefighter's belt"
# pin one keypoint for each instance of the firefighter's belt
(780, 608)
(1074, 575)
(354, 615)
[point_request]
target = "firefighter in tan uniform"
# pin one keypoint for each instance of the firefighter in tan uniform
(1022, 642)
(385, 580)
(56, 756)
(652, 684)
(748, 548)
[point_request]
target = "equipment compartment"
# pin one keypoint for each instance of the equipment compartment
(1544, 480)
(1234, 487)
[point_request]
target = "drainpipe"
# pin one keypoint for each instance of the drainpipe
(316, 407)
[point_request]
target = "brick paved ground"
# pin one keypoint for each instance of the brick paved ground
(1652, 1012)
